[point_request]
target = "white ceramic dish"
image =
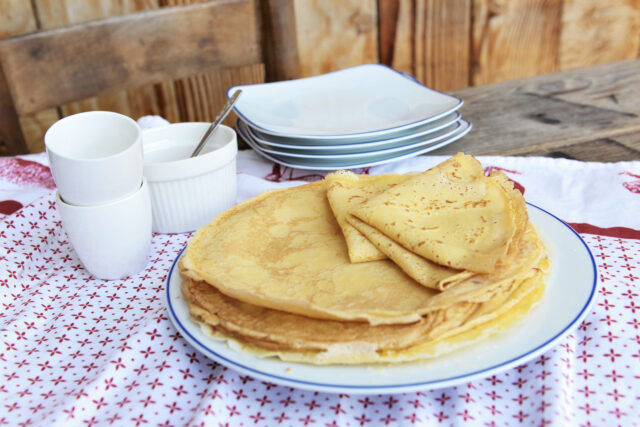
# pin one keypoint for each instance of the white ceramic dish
(362, 101)
(111, 239)
(95, 157)
(356, 160)
(410, 144)
(187, 193)
(352, 145)
(567, 300)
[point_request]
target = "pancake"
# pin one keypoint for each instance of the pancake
(284, 250)
(279, 330)
(345, 190)
(367, 269)
(267, 332)
(451, 214)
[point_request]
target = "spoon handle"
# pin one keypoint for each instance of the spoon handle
(221, 116)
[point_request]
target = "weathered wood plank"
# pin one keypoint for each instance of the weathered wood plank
(202, 96)
(11, 139)
(197, 37)
(335, 34)
(18, 17)
(615, 149)
(533, 115)
(428, 39)
(514, 39)
(159, 99)
(388, 23)
(279, 43)
(597, 32)
(149, 99)
(60, 13)
(442, 43)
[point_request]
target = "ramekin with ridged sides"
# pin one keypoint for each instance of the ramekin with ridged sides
(188, 192)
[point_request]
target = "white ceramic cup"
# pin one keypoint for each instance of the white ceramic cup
(112, 240)
(188, 192)
(95, 157)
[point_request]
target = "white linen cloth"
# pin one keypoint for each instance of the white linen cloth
(79, 351)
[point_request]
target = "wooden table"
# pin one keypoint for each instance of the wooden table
(589, 114)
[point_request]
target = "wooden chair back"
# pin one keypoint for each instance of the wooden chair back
(49, 68)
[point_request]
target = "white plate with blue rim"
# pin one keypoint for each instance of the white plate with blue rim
(351, 157)
(361, 102)
(567, 300)
(358, 160)
(349, 145)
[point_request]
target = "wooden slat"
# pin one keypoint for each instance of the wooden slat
(153, 43)
(388, 23)
(335, 34)
(35, 125)
(11, 140)
(402, 53)
(16, 17)
(514, 39)
(442, 55)
(157, 99)
(615, 149)
(546, 113)
(202, 96)
(60, 13)
(597, 32)
(279, 42)
(429, 39)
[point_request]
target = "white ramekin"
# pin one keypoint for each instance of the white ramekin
(187, 193)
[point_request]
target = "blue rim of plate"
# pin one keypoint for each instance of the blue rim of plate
(418, 151)
(443, 134)
(354, 135)
(328, 387)
(351, 145)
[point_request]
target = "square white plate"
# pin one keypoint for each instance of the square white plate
(365, 100)
(350, 145)
(357, 160)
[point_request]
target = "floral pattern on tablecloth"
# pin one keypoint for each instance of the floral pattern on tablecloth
(80, 351)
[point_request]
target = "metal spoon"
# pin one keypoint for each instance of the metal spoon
(221, 116)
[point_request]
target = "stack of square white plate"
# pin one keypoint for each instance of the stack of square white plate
(360, 116)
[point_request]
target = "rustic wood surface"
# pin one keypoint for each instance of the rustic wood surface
(448, 44)
(590, 114)
(120, 53)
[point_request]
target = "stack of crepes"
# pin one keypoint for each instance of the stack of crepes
(362, 269)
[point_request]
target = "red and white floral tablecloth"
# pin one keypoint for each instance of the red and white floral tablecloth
(80, 351)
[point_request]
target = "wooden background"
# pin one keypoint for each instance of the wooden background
(447, 44)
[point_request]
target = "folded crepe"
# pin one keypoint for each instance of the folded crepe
(346, 190)
(452, 215)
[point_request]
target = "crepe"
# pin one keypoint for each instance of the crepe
(267, 332)
(423, 271)
(345, 190)
(451, 214)
(296, 273)
(284, 250)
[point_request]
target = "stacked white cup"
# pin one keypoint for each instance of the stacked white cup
(103, 199)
